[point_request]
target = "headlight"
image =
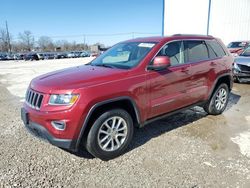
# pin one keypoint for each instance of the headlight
(63, 99)
(236, 67)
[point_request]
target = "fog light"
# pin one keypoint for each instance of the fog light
(59, 125)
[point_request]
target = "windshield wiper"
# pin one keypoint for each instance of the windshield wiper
(105, 65)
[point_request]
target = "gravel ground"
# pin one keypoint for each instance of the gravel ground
(189, 149)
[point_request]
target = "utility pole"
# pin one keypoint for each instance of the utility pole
(84, 43)
(163, 17)
(208, 16)
(8, 36)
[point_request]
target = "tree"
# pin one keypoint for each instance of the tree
(27, 40)
(3, 40)
(45, 43)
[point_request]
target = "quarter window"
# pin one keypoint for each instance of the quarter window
(216, 48)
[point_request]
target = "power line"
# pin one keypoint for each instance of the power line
(97, 35)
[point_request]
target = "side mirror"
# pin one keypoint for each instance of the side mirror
(160, 63)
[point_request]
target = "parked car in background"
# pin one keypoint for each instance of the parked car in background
(241, 66)
(40, 56)
(3, 57)
(132, 84)
(85, 54)
(18, 57)
(60, 55)
(49, 55)
(237, 47)
(94, 54)
(71, 55)
(31, 57)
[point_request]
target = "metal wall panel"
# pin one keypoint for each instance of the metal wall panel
(229, 19)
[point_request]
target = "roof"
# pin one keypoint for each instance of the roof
(172, 37)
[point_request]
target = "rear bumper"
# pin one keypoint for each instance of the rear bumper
(42, 133)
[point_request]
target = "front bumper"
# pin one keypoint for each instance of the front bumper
(240, 74)
(42, 133)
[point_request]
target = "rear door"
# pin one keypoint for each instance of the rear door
(198, 58)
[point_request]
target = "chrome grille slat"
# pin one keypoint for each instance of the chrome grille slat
(244, 68)
(29, 94)
(31, 98)
(34, 99)
(37, 99)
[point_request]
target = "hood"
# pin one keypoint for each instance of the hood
(234, 50)
(242, 60)
(76, 77)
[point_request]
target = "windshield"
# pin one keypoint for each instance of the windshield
(124, 55)
(236, 45)
(246, 52)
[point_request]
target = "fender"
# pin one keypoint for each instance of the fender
(92, 109)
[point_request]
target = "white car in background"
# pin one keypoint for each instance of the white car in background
(241, 67)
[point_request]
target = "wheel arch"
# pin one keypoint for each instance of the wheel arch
(126, 103)
(224, 78)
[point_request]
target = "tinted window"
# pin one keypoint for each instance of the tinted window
(197, 51)
(216, 48)
(211, 52)
(174, 51)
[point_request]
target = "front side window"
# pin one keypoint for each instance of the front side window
(124, 55)
(197, 50)
(174, 50)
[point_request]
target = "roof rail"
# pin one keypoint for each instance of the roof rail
(192, 35)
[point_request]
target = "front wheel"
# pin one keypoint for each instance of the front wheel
(218, 102)
(110, 134)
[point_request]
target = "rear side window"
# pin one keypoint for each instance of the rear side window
(196, 50)
(216, 47)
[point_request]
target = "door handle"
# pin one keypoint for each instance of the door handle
(184, 70)
(213, 64)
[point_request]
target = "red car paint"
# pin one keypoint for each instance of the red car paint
(238, 50)
(180, 86)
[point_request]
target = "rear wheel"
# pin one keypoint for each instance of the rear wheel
(110, 134)
(218, 102)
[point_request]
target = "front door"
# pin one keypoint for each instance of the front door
(168, 87)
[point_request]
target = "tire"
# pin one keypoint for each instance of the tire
(218, 101)
(110, 134)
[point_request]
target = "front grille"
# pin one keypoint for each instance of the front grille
(244, 68)
(34, 99)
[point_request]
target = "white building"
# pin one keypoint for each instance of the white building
(229, 19)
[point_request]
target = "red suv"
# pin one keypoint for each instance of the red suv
(133, 83)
